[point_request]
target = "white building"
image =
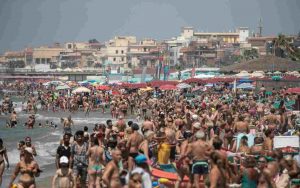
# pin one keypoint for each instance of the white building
(243, 34)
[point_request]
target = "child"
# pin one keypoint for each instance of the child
(65, 175)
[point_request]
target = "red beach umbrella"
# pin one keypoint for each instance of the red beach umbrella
(167, 87)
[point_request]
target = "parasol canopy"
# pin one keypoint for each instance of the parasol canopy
(293, 90)
(81, 90)
(183, 86)
(62, 87)
(167, 87)
(146, 89)
(103, 87)
(245, 86)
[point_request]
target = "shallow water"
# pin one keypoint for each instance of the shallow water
(45, 139)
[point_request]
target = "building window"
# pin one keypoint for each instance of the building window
(117, 51)
(145, 49)
(122, 59)
(114, 59)
(69, 46)
(122, 52)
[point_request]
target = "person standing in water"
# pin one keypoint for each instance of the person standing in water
(13, 119)
(3, 155)
(68, 123)
(28, 169)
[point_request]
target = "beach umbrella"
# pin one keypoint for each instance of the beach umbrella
(293, 90)
(183, 86)
(209, 85)
(167, 87)
(103, 87)
(81, 90)
(243, 74)
(62, 87)
(245, 86)
(245, 80)
(146, 89)
(276, 78)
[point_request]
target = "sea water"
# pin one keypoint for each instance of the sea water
(45, 139)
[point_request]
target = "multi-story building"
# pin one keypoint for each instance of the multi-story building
(44, 55)
(116, 52)
(142, 54)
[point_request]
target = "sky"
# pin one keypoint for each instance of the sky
(32, 23)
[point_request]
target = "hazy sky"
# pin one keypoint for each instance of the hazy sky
(40, 22)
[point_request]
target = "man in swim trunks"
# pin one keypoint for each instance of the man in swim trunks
(96, 163)
(200, 151)
(133, 143)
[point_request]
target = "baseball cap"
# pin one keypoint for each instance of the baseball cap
(64, 159)
(140, 159)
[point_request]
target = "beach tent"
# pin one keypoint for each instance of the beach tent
(81, 90)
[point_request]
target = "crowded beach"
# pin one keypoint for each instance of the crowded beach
(216, 132)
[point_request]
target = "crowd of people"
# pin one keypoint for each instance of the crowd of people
(218, 138)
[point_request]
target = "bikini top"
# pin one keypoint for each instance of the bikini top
(24, 169)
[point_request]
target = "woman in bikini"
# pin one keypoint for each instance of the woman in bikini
(28, 169)
(3, 155)
(96, 162)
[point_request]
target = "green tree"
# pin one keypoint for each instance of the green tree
(250, 54)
